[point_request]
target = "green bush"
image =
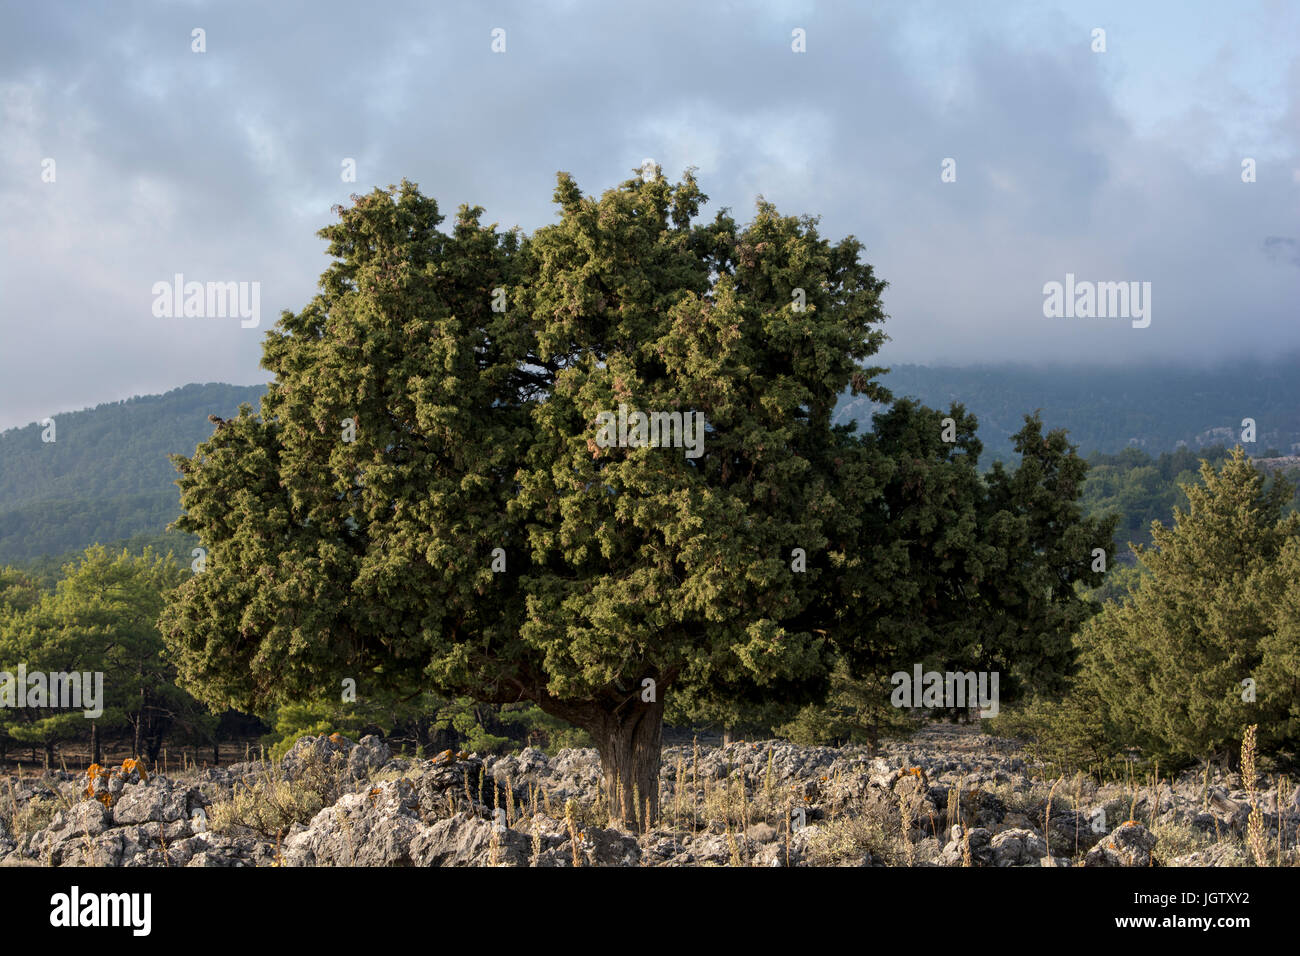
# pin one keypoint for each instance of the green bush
(315, 719)
(855, 712)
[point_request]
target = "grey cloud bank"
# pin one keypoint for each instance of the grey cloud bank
(221, 165)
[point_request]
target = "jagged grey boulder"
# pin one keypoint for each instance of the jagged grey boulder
(980, 809)
(372, 828)
(1221, 854)
(1018, 848)
(81, 821)
(980, 847)
(527, 766)
(158, 801)
(1129, 845)
(231, 851)
(465, 840)
(367, 756)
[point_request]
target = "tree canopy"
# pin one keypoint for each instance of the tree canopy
(424, 499)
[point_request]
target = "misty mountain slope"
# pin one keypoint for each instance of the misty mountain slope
(1106, 409)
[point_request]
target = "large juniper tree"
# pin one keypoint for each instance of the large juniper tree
(422, 501)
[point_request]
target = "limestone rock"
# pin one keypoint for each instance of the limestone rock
(1128, 845)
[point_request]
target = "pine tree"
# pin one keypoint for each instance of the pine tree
(1215, 609)
(102, 618)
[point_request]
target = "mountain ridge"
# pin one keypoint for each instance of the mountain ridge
(107, 478)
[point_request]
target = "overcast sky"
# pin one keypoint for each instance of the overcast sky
(1123, 165)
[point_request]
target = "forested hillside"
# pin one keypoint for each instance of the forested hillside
(1142, 488)
(1107, 409)
(106, 476)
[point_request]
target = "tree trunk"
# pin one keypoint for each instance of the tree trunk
(726, 736)
(95, 755)
(153, 747)
(139, 724)
(630, 741)
(628, 732)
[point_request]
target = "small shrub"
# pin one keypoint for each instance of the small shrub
(1178, 839)
(845, 842)
(273, 803)
(36, 815)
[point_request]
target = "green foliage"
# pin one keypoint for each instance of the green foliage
(954, 570)
(101, 618)
(476, 737)
(1215, 607)
(1142, 489)
(19, 591)
(753, 716)
(48, 569)
(550, 733)
(487, 728)
(317, 718)
(459, 723)
(1069, 733)
(1121, 580)
(71, 524)
(855, 712)
(957, 571)
(373, 556)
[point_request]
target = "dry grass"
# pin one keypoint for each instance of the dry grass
(23, 821)
(1255, 837)
(272, 804)
(1178, 839)
(847, 840)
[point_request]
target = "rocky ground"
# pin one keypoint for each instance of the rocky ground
(947, 797)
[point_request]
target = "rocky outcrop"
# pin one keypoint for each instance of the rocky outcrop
(1130, 845)
(351, 803)
(1018, 848)
(370, 828)
(968, 847)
